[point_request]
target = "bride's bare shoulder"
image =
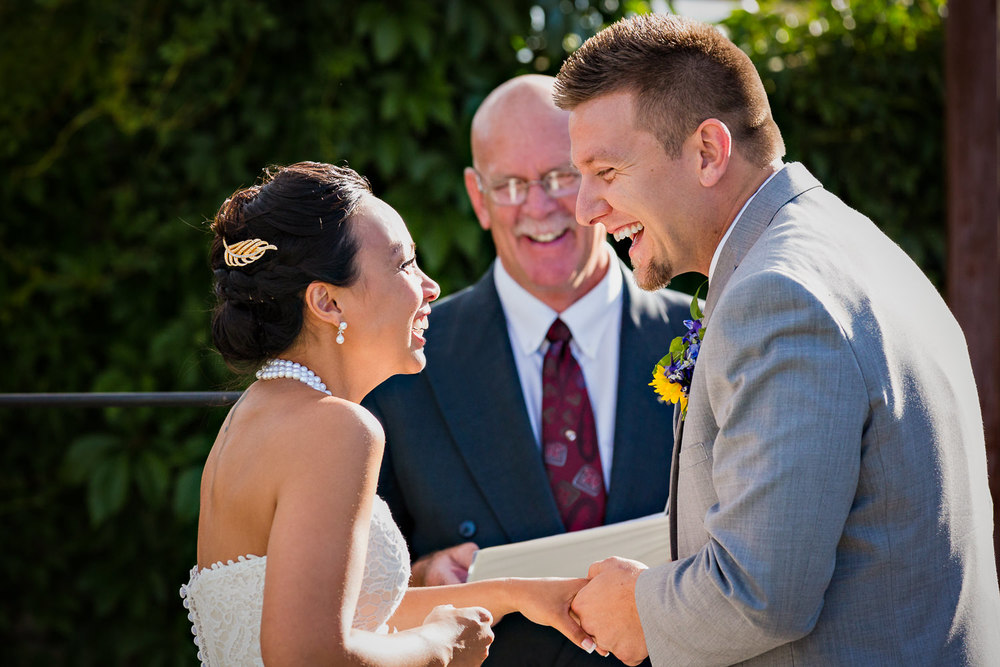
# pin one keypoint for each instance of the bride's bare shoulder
(332, 423)
(353, 421)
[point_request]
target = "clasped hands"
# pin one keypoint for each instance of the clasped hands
(604, 606)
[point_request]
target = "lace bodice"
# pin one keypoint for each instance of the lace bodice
(224, 602)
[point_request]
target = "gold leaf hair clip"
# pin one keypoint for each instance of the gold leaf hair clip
(246, 252)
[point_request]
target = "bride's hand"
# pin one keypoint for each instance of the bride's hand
(464, 634)
(547, 602)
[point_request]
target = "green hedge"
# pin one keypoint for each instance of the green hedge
(124, 125)
(858, 90)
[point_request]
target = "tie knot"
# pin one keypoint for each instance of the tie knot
(558, 332)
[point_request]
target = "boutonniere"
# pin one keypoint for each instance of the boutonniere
(672, 374)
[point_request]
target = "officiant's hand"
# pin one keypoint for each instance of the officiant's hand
(607, 612)
(441, 568)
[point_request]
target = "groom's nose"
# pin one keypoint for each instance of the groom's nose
(590, 207)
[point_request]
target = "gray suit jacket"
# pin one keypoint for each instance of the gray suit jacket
(832, 501)
(461, 462)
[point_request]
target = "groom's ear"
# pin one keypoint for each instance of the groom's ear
(715, 145)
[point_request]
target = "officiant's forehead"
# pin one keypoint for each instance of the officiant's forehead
(517, 125)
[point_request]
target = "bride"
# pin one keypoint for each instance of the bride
(299, 562)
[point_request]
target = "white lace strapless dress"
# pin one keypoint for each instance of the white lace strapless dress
(224, 602)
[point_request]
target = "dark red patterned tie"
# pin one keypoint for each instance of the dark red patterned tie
(569, 437)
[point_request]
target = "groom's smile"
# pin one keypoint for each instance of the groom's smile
(628, 231)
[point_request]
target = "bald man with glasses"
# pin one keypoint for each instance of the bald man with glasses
(471, 460)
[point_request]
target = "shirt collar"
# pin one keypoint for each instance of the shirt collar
(725, 237)
(528, 319)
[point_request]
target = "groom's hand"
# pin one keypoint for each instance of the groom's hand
(607, 612)
(448, 566)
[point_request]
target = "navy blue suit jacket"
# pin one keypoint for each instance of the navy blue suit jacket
(462, 464)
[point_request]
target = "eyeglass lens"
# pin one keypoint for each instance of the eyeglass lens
(556, 183)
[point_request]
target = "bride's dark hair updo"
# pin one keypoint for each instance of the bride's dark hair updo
(297, 224)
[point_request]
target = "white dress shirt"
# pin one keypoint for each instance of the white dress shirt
(595, 324)
(725, 237)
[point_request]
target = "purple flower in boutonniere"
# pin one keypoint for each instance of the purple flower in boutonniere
(672, 374)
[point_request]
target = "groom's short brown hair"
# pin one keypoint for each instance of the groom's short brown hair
(682, 73)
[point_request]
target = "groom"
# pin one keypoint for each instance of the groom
(829, 501)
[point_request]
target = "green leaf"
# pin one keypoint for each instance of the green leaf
(84, 455)
(187, 493)
(695, 308)
(107, 489)
(389, 104)
(387, 40)
(422, 39)
(677, 348)
(152, 477)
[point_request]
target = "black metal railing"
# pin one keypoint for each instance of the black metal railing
(122, 399)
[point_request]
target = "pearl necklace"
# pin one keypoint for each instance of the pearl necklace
(282, 368)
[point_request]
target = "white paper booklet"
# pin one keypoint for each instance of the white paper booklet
(570, 554)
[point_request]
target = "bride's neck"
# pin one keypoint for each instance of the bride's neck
(345, 374)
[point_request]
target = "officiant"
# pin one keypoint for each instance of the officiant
(533, 416)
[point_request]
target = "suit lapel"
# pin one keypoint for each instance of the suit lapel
(786, 185)
(479, 392)
(636, 440)
(675, 468)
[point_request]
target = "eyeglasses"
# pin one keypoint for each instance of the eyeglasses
(514, 191)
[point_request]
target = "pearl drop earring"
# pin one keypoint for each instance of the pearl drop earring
(340, 333)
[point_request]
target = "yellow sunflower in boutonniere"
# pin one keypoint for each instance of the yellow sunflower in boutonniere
(672, 374)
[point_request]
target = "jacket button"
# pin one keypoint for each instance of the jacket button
(467, 528)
